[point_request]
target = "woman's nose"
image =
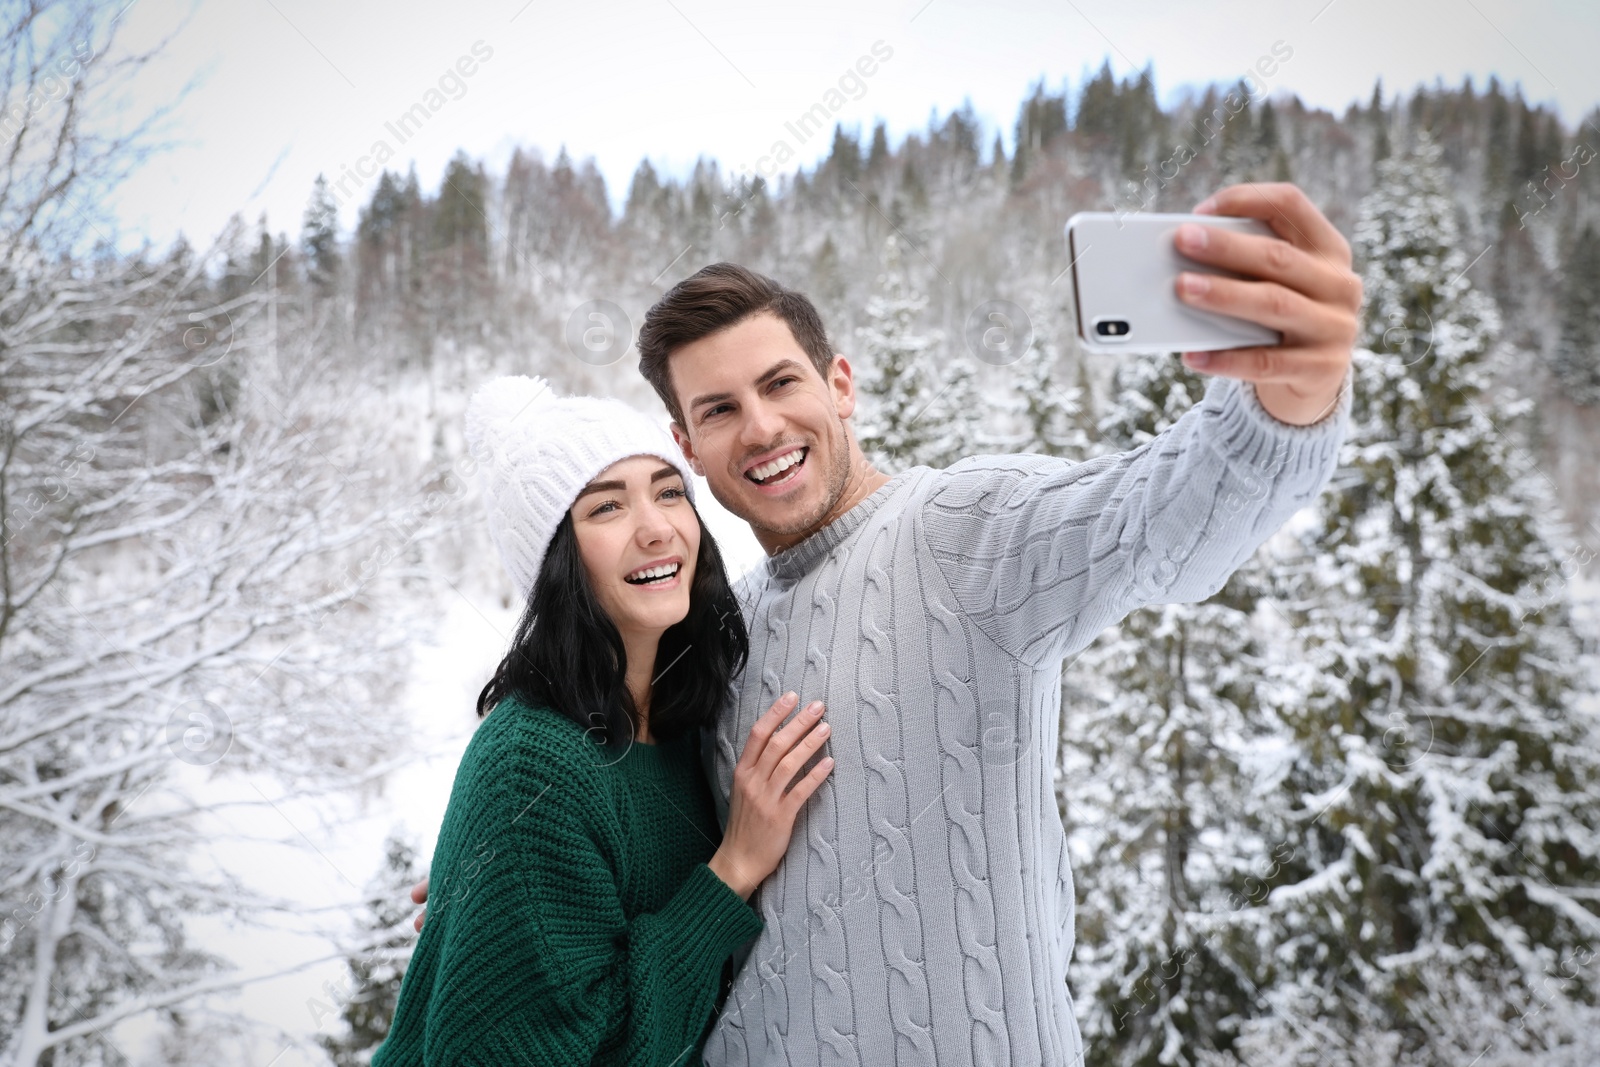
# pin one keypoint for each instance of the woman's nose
(653, 527)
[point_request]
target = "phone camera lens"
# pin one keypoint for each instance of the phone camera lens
(1111, 328)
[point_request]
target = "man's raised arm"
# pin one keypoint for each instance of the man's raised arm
(1043, 554)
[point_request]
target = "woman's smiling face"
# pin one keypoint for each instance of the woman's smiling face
(638, 537)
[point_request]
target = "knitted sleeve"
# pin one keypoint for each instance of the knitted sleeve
(538, 962)
(1043, 554)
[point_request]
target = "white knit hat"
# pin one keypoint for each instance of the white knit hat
(536, 451)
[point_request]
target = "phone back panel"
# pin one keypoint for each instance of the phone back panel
(1124, 275)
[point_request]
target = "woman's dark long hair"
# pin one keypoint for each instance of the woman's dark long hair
(568, 655)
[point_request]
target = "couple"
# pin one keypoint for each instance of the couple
(590, 888)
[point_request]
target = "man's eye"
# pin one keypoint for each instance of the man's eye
(712, 411)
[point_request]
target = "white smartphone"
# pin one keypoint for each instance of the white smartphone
(1124, 285)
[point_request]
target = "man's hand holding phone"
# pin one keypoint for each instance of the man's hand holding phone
(1301, 286)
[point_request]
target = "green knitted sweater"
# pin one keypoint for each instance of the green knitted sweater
(571, 916)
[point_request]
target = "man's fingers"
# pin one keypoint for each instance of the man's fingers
(1273, 260)
(1300, 319)
(1302, 287)
(1270, 364)
(417, 922)
(1246, 364)
(1284, 207)
(419, 892)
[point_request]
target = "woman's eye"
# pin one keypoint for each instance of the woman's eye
(609, 504)
(674, 492)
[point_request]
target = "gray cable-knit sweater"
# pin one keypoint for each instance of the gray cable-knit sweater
(924, 911)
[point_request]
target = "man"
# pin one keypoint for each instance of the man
(924, 911)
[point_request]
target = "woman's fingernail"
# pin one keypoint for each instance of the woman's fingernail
(814, 708)
(1208, 206)
(1197, 359)
(1194, 284)
(790, 698)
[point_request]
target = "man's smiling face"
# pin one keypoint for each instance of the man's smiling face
(765, 429)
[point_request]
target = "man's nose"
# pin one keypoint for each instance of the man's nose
(761, 426)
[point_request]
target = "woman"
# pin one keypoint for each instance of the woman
(583, 901)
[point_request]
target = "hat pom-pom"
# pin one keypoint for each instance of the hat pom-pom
(502, 406)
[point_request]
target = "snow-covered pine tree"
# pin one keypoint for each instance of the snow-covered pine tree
(1442, 808)
(954, 415)
(1168, 720)
(1576, 359)
(372, 988)
(897, 430)
(1049, 413)
(319, 239)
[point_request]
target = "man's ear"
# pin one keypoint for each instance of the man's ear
(680, 435)
(841, 379)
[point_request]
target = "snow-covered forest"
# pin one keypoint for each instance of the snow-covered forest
(1347, 811)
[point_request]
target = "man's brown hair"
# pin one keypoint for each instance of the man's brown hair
(714, 298)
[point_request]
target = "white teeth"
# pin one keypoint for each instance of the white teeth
(665, 570)
(782, 463)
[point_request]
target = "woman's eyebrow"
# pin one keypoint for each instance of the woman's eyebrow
(601, 487)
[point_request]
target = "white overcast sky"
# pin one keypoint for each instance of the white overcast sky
(284, 89)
